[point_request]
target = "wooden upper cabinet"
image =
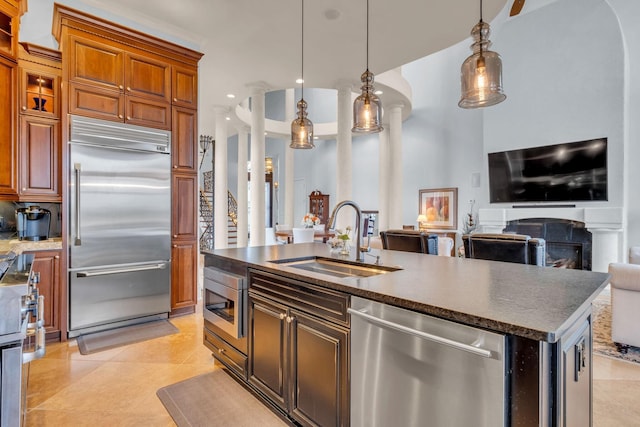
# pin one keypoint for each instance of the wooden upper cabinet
(40, 77)
(147, 78)
(40, 152)
(185, 87)
(8, 149)
(96, 64)
(9, 27)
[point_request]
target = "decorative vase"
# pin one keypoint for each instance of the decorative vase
(345, 248)
(39, 103)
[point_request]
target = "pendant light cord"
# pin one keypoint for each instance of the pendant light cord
(302, 65)
(367, 35)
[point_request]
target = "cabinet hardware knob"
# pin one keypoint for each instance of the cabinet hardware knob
(24, 189)
(24, 108)
(175, 246)
(175, 166)
(175, 99)
(120, 87)
(128, 118)
(221, 350)
(175, 236)
(119, 116)
(290, 319)
(56, 257)
(128, 89)
(282, 316)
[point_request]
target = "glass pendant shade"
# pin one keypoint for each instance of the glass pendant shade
(367, 108)
(302, 128)
(481, 73)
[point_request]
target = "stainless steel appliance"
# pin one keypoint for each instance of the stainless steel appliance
(22, 334)
(119, 225)
(225, 301)
(409, 369)
(32, 223)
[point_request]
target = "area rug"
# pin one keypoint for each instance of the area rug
(215, 399)
(105, 340)
(602, 343)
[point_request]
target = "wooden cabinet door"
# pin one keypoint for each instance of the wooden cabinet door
(184, 90)
(39, 159)
(9, 28)
(184, 221)
(184, 151)
(318, 371)
(267, 348)
(47, 264)
(184, 274)
(147, 112)
(147, 77)
(8, 148)
(97, 64)
(39, 93)
(99, 103)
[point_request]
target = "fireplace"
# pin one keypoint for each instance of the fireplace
(568, 242)
(605, 224)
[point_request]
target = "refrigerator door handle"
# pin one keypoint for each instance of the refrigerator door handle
(77, 168)
(93, 273)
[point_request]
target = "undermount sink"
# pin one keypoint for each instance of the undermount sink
(334, 267)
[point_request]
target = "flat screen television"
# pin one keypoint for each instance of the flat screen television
(570, 172)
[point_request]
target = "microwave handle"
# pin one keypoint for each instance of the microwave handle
(77, 168)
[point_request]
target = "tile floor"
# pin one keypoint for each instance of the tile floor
(118, 387)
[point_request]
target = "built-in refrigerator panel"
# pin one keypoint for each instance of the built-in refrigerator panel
(120, 209)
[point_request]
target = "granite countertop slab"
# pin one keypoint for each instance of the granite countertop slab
(540, 303)
(19, 246)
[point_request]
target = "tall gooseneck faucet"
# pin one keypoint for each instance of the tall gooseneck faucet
(332, 222)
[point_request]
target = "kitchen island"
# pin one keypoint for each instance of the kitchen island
(543, 313)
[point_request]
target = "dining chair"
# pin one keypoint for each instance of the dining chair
(303, 235)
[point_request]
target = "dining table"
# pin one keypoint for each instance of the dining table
(323, 235)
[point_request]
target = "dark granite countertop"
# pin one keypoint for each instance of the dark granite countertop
(529, 301)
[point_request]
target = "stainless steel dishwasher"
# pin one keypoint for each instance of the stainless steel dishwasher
(410, 369)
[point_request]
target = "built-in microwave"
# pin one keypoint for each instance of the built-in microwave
(225, 301)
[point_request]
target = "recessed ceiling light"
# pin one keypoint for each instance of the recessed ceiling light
(315, 137)
(227, 118)
(230, 96)
(299, 81)
(378, 92)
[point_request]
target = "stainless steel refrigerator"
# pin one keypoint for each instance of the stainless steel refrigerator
(119, 225)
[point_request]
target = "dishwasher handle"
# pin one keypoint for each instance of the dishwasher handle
(424, 335)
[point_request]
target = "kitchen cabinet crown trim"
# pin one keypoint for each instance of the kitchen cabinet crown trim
(73, 18)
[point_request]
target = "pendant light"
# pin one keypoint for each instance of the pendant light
(481, 73)
(301, 127)
(367, 109)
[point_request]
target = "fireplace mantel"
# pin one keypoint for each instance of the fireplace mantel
(604, 223)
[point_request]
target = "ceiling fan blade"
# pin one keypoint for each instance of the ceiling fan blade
(516, 7)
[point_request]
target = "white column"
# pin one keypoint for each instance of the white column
(220, 182)
(383, 180)
(257, 222)
(243, 197)
(344, 163)
(289, 165)
(395, 166)
(604, 248)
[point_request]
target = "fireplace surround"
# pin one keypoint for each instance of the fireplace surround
(605, 225)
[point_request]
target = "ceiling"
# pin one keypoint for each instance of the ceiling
(257, 42)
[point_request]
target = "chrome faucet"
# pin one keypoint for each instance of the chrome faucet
(332, 221)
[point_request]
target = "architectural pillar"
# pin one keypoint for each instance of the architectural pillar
(289, 165)
(243, 182)
(257, 199)
(395, 167)
(344, 163)
(220, 182)
(383, 180)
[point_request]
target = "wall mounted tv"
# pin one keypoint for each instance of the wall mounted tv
(570, 172)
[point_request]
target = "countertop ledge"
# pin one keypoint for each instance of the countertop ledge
(540, 303)
(20, 246)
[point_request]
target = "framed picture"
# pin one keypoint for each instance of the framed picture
(439, 207)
